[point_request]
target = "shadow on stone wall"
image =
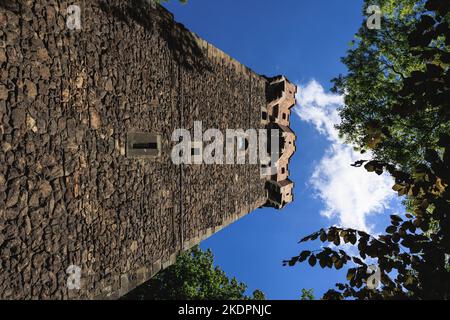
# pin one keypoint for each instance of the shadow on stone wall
(154, 18)
(12, 5)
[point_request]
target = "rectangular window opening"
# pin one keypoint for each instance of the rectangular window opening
(276, 110)
(140, 146)
(143, 145)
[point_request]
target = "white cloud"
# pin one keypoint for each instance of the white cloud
(350, 194)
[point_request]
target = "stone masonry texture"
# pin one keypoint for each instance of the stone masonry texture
(69, 195)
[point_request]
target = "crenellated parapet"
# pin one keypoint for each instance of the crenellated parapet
(280, 95)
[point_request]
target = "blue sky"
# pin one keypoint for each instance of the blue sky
(303, 40)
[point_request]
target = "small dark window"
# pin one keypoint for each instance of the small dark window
(264, 115)
(150, 145)
(143, 145)
(283, 170)
(284, 116)
(276, 110)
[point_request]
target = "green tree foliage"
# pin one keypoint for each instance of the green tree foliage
(307, 294)
(374, 116)
(193, 277)
(417, 251)
(413, 255)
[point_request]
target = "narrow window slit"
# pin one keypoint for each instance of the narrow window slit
(151, 145)
(143, 145)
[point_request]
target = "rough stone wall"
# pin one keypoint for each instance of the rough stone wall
(68, 194)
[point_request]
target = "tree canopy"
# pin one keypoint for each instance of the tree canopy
(375, 116)
(193, 277)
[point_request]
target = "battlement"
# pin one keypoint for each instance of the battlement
(280, 96)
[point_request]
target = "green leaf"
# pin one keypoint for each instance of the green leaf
(391, 229)
(351, 274)
(304, 255)
(358, 261)
(323, 262)
(352, 238)
(338, 264)
(323, 236)
(337, 241)
(312, 260)
(396, 218)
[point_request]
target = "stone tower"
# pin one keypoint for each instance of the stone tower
(88, 190)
